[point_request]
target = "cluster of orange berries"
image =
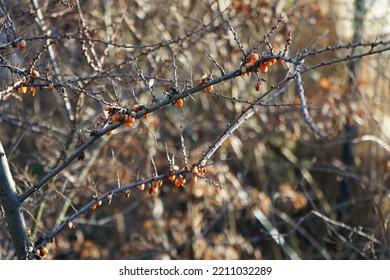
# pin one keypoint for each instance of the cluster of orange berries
(197, 171)
(263, 67)
(252, 59)
(118, 115)
(124, 116)
(178, 180)
(155, 185)
(23, 88)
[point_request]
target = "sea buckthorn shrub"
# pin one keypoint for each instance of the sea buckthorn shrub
(196, 129)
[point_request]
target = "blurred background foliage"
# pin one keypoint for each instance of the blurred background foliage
(286, 193)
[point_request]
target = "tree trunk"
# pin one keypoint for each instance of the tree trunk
(13, 213)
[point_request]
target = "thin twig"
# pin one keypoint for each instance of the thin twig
(302, 97)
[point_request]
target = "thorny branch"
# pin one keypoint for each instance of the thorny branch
(296, 62)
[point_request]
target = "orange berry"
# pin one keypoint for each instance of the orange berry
(268, 63)
(141, 187)
(130, 121)
(107, 108)
(171, 177)
(109, 132)
(99, 203)
(93, 207)
(254, 57)
(180, 102)
(35, 73)
(114, 118)
(177, 182)
(32, 91)
(21, 45)
(202, 171)
(273, 60)
(43, 252)
(280, 61)
(153, 190)
(22, 89)
(146, 116)
(209, 88)
(263, 68)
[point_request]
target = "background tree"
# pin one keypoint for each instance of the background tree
(194, 130)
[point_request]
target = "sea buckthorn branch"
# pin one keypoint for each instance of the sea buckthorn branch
(39, 55)
(183, 148)
(230, 75)
(235, 36)
(305, 53)
(168, 100)
(171, 98)
(40, 19)
(86, 45)
(302, 97)
(297, 75)
(46, 82)
(95, 135)
(175, 78)
(268, 35)
(145, 49)
(346, 58)
(198, 31)
(248, 102)
(141, 74)
(222, 71)
(98, 201)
